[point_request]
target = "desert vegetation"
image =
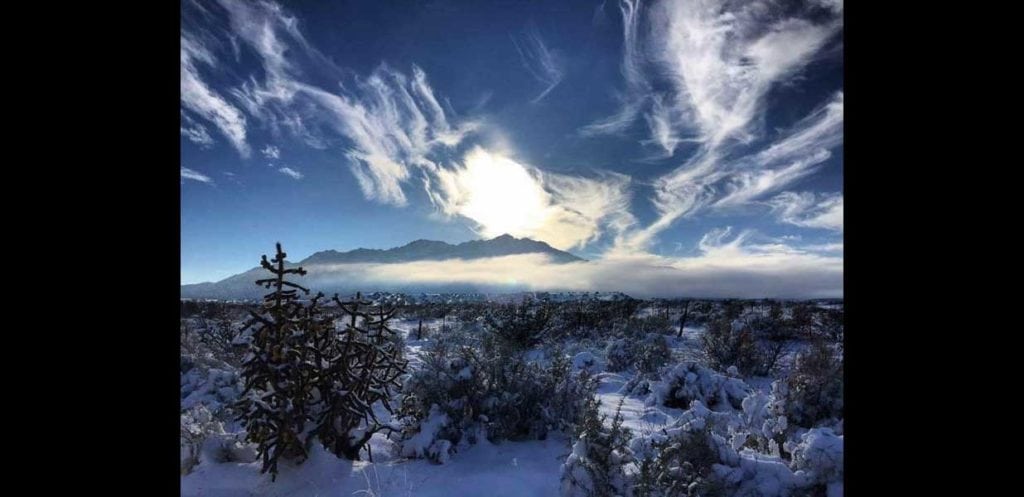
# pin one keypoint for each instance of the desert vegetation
(659, 397)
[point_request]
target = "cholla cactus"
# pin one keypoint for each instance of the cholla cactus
(360, 369)
(275, 404)
(304, 379)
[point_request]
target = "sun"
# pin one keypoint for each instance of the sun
(501, 195)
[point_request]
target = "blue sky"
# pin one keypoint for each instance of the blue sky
(703, 136)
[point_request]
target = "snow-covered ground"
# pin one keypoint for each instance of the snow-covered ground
(529, 468)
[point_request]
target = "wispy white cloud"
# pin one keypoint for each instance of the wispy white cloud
(198, 97)
(809, 210)
(271, 152)
(637, 89)
(722, 58)
(287, 171)
(543, 64)
(195, 132)
(392, 121)
(712, 179)
(190, 174)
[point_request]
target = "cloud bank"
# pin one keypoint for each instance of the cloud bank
(722, 269)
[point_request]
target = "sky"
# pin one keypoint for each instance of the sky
(704, 138)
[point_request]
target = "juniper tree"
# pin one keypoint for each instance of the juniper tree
(274, 406)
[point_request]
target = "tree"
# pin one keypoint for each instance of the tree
(683, 317)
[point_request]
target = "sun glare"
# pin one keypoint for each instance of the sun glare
(501, 195)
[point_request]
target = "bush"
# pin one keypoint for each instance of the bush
(597, 464)
(690, 381)
(519, 326)
(464, 391)
(646, 355)
(830, 324)
(203, 438)
(681, 462)
(818, 458)
(751, 345)
(813, 391)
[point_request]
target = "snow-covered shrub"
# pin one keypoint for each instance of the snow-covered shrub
(219, 338)
(680, 463)
(519, 326)
(203, 438)
(753, 345)
(690, 381)
(818, 460)
(705, 453)
(728, 343)
(205, 383)
(646, 355)
(654, 323)
(812, 393)
(587, 360)
(488, 391)
(597, 464)
(830, 324)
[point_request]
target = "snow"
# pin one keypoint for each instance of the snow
(506, 470)
(684, 396)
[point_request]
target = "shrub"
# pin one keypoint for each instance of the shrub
(690, 381)
(680, 464)
(748, 344)
(813, 390)
(830, 324)
(646, 355)
(596, 466)
(818, 458)
(464, 391)
(519, 326)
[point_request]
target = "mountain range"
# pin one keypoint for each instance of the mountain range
(243, 285)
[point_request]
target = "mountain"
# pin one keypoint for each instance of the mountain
(321, 264)
(431, 250)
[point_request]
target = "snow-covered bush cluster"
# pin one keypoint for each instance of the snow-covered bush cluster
(645, 354)
(210, 386)
(690, 381)
(754, 345)
(706, 453)
(203, 437)
(464, 392)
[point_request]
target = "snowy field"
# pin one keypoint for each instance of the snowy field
(694, 425)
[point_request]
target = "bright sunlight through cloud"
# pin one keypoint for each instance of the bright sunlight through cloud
(501, 195)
